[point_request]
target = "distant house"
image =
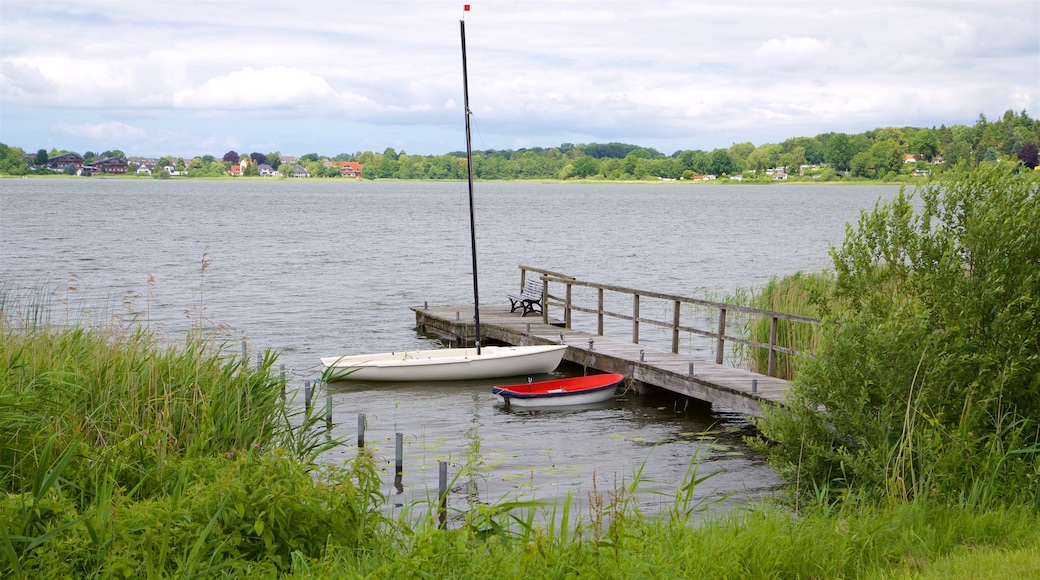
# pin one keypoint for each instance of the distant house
(780, 175)
(350, 169)
(703, 177)
(239, 169)
(290, 159)
(266, 170)
(919, 172)
(912, 158)
(111, 165)
(143, 170)
(63, 161)
(299, 172)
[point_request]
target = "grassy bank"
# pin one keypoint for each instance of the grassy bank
(121, 456)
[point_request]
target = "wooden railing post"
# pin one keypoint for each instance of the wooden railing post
(567, 312)
(772, 343)
(720, 344)
(545, 301)
(599, 317)
(675, 327)
(635, 319)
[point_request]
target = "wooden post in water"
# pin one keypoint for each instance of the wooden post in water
(399, 454)
(442, 492)
(361, 430)
(720, 343)
(772, 344)
(635, 319)
(328, 412)
(307, 395)
(675, 326)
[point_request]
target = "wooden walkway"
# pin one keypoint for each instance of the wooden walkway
(737, 389)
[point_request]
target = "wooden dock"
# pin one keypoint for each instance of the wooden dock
(740, 390)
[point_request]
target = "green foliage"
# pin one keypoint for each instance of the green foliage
(122, 456)
(799, 293)
(926, 382)
(11, 162)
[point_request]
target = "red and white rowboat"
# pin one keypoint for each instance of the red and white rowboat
(572, 391)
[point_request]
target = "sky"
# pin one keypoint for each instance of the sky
(189, 78)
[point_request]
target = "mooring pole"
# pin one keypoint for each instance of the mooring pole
(361, 430)
(442, 493)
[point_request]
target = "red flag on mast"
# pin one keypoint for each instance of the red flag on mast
(465, 7)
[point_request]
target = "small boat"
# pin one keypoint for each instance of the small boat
(446, 364)
(572, 391)
(451, 364)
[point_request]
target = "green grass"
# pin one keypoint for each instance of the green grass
(121, 456)
(797, 293)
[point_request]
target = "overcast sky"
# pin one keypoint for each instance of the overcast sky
(331, 76)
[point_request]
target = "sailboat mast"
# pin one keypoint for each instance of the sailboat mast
(469, 175)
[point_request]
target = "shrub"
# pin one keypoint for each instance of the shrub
(927, 378)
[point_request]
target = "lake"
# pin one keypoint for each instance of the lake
(315, 268)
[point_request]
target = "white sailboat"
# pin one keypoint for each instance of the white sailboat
(449, 364)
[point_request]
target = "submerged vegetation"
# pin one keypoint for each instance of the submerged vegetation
(911, 441)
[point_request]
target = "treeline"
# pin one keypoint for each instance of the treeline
(878, 154)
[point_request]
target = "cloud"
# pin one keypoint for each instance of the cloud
(790, 50)
(113, 131)
(265, 88)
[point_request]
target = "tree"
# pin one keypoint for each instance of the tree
(231, 157)
(585, 166)
(274, 159)
(11, 160)
(926, 380)
(1028, 155)
(722, 163)
(839, 151)
(258, 157)
(41, 158)
(925, 144)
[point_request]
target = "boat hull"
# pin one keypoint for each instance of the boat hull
(446, 364)
(572, 391)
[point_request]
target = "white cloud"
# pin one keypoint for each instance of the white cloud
(790, 50)
(600, 69)
(113, 131)
(249, 88)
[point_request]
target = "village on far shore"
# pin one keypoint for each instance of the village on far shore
(892, 154)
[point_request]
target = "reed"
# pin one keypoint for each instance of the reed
(798, 293)
(123, 456)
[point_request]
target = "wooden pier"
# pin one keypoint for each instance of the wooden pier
(737, 389)
(712, 381)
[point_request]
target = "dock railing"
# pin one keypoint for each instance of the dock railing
(675, 324)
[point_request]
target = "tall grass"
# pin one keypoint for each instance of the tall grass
(798, 293)
(122, 456)
(105, 433)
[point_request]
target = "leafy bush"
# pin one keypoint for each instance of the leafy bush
(927, 378)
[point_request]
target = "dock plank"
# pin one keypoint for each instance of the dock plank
(718, 384)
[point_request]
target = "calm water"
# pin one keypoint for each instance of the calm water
(318, 268)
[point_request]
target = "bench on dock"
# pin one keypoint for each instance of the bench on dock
(529, 299)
